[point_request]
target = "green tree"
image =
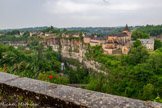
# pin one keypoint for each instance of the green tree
(139, 35)
(136, 55)
(137, 43)
(64, 30)
(148, 92)
(158, 99)
(40, 63)
(14, 32)
(81, 36)
(26, 33)
(158, 44)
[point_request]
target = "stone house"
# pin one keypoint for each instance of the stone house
(21, 33)
(72, 34)
(33, 33)
(93, 40)
(117, 40)
(49, 34)
(97, 41)
(149, 43)
(118, 43)
(36, 33)
(41, 34)
(1, 34)
(15, 43)
(87, 37)
(27, 48)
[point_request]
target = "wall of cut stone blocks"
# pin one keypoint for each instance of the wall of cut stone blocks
(53, 95)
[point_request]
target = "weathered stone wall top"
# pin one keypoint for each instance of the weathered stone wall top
(70, 96)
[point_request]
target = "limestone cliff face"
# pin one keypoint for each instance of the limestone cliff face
(70, 48)
(94, 65)
(75, 49)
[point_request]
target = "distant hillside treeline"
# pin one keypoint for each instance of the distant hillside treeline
(26, 29)
(98, 30)
(152, 30)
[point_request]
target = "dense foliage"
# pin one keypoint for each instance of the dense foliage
(40, 63)
(151, 30)
(139, 35)
(79, 75)
(15, 36)
(137, 75)
(28, 64)
(14, 32)
(158, 44)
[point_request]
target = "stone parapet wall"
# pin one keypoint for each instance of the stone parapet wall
(48, 94)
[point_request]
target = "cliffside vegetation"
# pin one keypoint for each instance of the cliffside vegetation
(27, 63)
(40, 63)
(137, 75)
(78, 76)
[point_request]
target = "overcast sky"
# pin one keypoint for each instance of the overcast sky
(79, 13)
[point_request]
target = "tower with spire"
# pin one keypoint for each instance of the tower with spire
(126, 28)
(127, 31)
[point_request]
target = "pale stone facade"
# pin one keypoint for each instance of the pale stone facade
(49, 34)
(71, 35)
(107, 51)
(21, 33)
(125, 50)
(87, 39)
(149, 43)
(33, 33)
(1, 34)
(118, 43)
(95, 42)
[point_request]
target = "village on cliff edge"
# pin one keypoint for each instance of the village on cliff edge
(114, 44)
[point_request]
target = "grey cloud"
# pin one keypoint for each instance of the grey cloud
(66, 13)
(106, 1)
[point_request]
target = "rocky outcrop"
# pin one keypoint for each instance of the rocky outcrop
(94, 65)
(15, 43)
(73, 49)
(69, 48)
